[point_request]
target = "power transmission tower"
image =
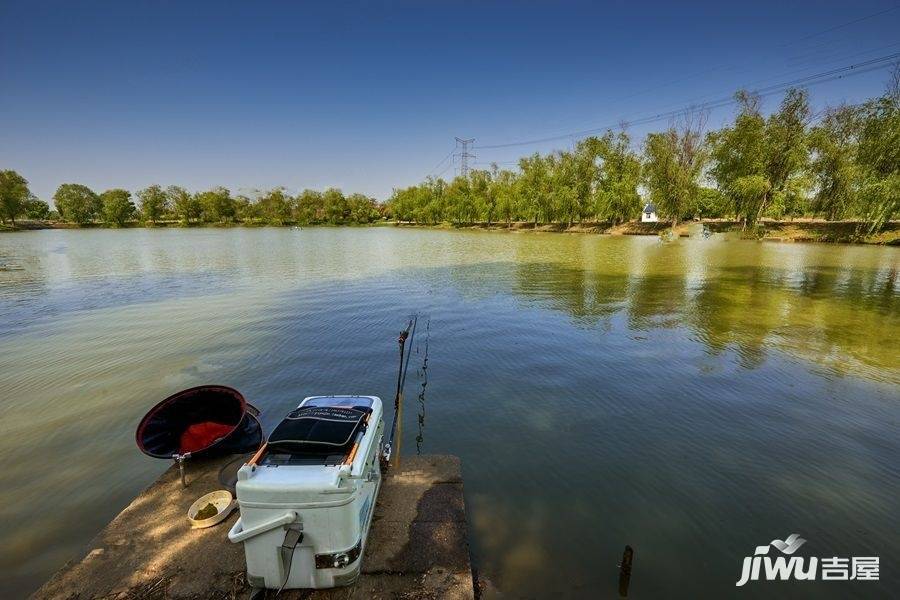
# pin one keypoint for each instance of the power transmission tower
(465, 155)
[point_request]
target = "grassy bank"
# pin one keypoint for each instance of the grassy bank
(802, 230)
(38, 225)
(843, 232)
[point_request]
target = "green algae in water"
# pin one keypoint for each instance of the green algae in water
(207, 512)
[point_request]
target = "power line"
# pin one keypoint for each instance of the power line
(435, 168)
(809, 80)
(712, 104)
(447, 168)
(840, 26)
(701, 100)
(787, 44)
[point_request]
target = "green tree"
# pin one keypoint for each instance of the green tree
(431, 196)
(563, 186)
(534, 189)
(761, 163)
(712, 203)
(483, 198)
(505, 183)
(616, 195)
(761, 166)
(833, 165)
(739, 159)
(37, 210)
(275, 206)
(878, 157)
(185, 205)
(14, 194)
(154, 203)
(117, 206)
(245, 210)
(400, 204)
(788, 154)
(77, 203)
(217, 205)
(586, 161)
(362, 209)
(309, 207)
(460, 201)
(674, 162)
(335, 205)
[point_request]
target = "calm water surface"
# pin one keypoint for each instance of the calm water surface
(693, 399)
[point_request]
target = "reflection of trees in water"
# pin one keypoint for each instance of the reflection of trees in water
(587, 294)
(860, 327)
(738, 307)
(558, 287)
(833, 316)
(656, 297)
(843, 317)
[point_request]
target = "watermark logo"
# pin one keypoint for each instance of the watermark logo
(810, 568)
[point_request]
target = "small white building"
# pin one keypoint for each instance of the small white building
(649, 213)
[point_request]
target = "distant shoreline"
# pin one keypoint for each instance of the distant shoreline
(798, 231)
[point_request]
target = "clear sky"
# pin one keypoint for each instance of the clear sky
(368, 96)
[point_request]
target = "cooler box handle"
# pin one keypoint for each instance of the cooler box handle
(238, 534)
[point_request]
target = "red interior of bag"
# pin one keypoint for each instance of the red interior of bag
(201, 435)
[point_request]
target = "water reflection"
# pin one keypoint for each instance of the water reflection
(692, 399)
(843, 319)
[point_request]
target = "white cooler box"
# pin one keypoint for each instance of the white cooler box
(307, 499)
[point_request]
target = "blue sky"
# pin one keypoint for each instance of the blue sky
(369, 96)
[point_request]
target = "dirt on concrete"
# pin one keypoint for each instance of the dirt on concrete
(417, 548)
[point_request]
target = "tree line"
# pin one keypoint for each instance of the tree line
(845, 165)
(77, 203)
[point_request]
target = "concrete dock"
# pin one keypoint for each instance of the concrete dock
(417, 548)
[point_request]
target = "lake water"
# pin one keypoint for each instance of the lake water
(693, 399)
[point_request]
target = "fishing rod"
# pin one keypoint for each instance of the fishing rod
(406, 335)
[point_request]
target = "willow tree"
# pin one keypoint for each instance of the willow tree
(616, 196)
(563, 186)
(483, 193)
(738, 154)
(761, 163)
(673, 164)
(878, 157)
(460, 202)
(586, 170)
(534, 189)
(433, 198)
(833, 145)
(787, 145)
(505, 190)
